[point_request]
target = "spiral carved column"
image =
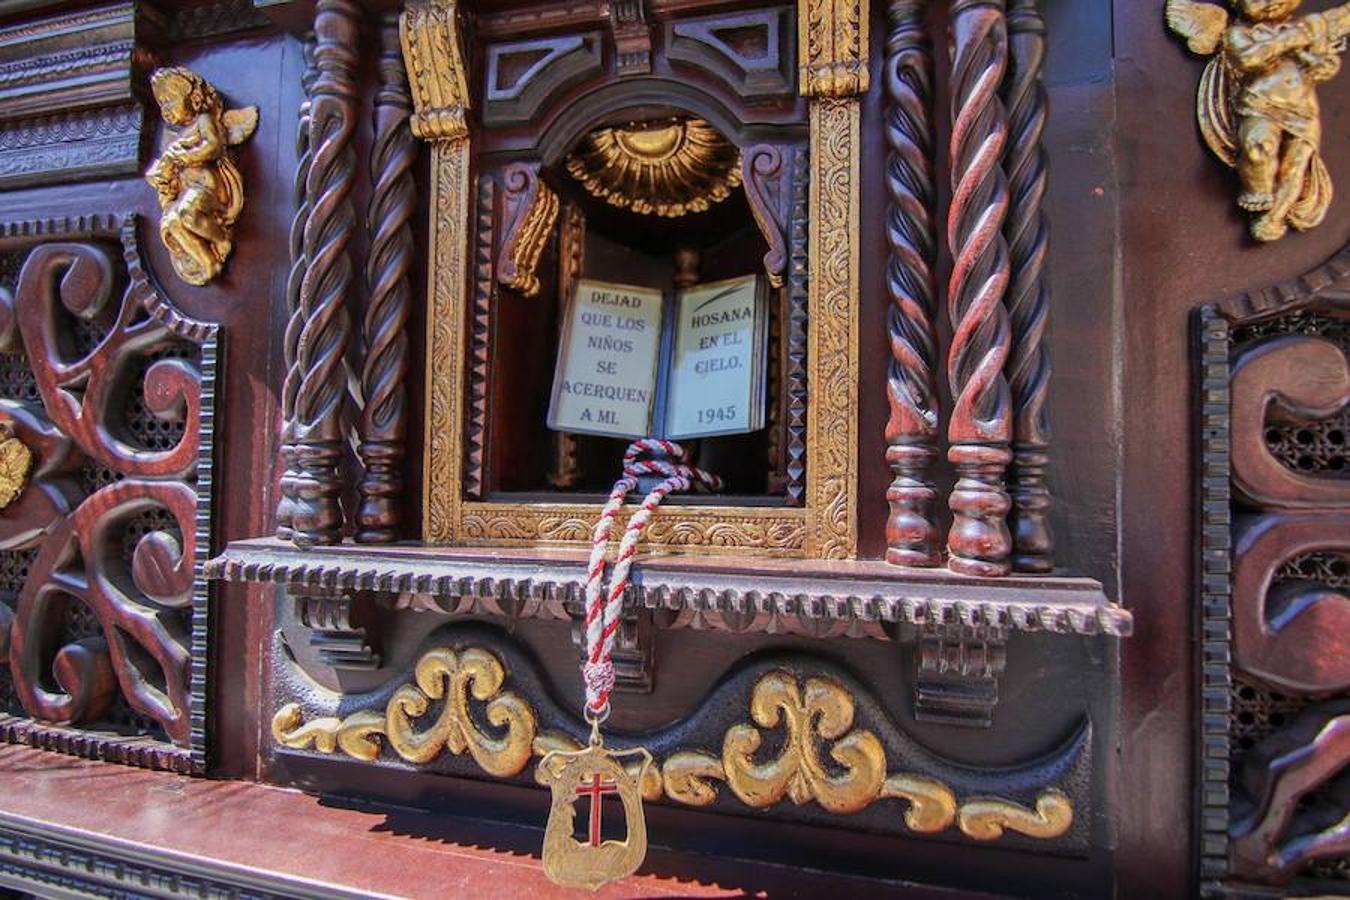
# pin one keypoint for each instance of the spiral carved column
(383, 379)
(1028, 299)
(981, 422)
(327, 281)
(911, 389)
(295, 320)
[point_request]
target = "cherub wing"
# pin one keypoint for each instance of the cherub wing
(240, 124)
(1201, 24)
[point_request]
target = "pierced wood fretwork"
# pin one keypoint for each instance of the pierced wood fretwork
(112, 611)
(316, 515)
(911, 383)
(980, 429)
(1028, 302)
(384, 419)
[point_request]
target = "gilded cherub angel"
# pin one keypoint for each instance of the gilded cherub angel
(200, 189)
(1257, 103)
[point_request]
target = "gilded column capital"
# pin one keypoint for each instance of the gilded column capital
(833, 41)
(433, 53)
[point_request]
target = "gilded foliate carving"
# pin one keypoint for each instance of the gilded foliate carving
(816, 718)
(201, 192)
(433, 54)
(822, 713)
(832, 38)
(16, 464)
(533, 207)
(1257, 102)
(440, 675)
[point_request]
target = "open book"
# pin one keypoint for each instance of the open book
(634, 362)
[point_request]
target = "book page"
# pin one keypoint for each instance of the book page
(717, 373)
(605, 380)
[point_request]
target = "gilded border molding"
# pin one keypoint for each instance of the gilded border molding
(815, 716)
(826, 526)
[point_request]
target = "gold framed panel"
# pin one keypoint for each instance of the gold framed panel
(825, 527)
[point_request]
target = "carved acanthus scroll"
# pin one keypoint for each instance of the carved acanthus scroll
(530, 212)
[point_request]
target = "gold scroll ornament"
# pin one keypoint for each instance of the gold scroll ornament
(201, 192)
(1257, 102)
(821, 758)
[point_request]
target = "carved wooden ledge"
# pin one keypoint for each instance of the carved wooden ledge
(813, 598)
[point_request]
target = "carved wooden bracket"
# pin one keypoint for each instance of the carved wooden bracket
(338, 629)
(752, 51)
(958, 669)
(766, 173)
(632, 36)
(530, 210)
(832, 47)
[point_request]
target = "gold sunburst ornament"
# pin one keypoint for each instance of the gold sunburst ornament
(668, 168)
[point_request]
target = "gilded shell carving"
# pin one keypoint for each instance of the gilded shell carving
(667, 169)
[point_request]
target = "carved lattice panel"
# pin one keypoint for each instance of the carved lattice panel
(111, 390)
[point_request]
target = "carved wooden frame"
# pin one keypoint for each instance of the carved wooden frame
(825, 526)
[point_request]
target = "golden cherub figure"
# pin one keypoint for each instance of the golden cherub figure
(200, 189)
(1257, 103)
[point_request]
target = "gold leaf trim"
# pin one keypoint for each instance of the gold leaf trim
(668, 169)
(987, 819)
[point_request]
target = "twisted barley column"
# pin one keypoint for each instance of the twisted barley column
(981, 421)
(295, 320)
(317, 515)
(383, 380)
(911, 389)
(1029, 298)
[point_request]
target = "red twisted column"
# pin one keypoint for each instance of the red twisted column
(1029, 297)
(911, 389)
(383, 379)
(317, 515)
(296, 320)
(981, 421)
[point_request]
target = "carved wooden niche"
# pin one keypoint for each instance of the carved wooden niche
(602, 154)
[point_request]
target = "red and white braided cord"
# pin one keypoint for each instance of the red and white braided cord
(605, 608)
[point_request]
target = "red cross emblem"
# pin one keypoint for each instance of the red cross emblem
(596, 790)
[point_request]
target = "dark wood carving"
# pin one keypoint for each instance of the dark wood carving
(484, 292)
(529, 211)
(70, 103)
(522, 77)
(295, 323)
(1276, 612)
(752, 51)
(565, 465)
(1028, 300)
(632, 36)
(981, 421)
(1298, 791)
(337, 632)
(384, 418)
(911, 381)
(147, 600)
(958, 674)
(322, 343)
(766, 173)
(795, 375)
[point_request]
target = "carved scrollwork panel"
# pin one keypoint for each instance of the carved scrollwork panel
(115, 511)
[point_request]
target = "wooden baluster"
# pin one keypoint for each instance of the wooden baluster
(383, 379)
(981, 423)
(911, 389)
(317, 515)
(1028, 303)
(296, 320)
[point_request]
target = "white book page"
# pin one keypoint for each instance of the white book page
(716, 375)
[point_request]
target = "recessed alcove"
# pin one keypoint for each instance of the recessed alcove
(647, 199)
